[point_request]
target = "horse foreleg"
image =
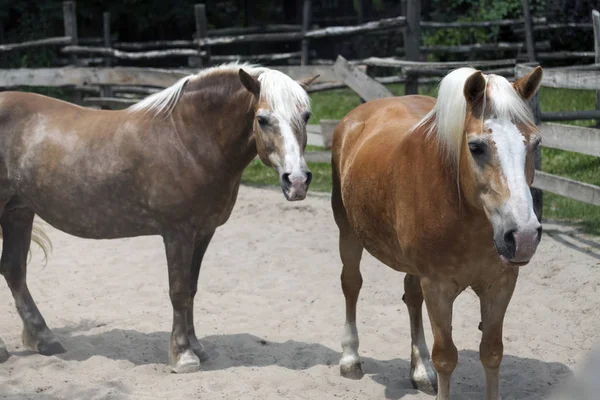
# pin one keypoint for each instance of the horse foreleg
(201, 245)
(16, 228)
(179, 246)
(494, 302)
(422, 374)
(439, 297)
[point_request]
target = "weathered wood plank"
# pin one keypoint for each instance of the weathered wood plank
(366, 87)
(256, 57)
(570, 115)
(392, 62)
(571, 138)
(318, 156)
(327, 129)
(564, 55)
(306, 21)
(325, 72)
(122, 55)
(484, 47)
(53, 41)
(386, 23)
(528, 30)
(567, 187)
(564, 78)
(478, 24)
(59, 77)
(157, 44)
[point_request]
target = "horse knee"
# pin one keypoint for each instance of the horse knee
(491, 353)
(444, 358)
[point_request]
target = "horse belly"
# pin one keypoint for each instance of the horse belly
(373, 219)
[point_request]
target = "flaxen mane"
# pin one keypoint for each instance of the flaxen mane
(277, 89)
(446, 121)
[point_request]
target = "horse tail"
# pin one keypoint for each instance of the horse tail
(40, 238)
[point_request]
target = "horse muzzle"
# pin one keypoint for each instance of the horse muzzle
(295, 185)
(516, 247)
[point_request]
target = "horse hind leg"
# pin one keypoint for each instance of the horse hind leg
(199, 251)
(350, 253)
(422, 374)
(17, 225)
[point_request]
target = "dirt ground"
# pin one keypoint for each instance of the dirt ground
(270, 315)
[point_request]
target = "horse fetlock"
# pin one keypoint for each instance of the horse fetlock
(185, 362)
(43, 342)
(423, 376)
(197, 347)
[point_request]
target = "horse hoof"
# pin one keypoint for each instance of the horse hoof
(424, 379)
(50, 348)
(46, 344)
(352, 371)
(188, 362)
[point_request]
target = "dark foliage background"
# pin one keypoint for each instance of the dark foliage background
(141, 20)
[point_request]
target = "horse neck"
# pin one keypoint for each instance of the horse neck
(218, 123)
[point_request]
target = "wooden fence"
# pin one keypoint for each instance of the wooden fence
(200, 48)
(556, 136)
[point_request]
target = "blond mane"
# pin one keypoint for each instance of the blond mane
(446, 121)
(282, 93)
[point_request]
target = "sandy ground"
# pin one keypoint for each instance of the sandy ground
(270, 315)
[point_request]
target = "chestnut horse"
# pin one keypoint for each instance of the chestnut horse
(169, 165)
(440, 191)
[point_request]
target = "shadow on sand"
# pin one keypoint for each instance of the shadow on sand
(227, 351)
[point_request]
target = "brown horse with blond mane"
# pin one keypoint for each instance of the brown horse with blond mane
(439, 190)
(170, 165)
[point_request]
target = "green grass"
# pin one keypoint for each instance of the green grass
(336, 104)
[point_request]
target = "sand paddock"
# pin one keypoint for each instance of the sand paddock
(270, 313)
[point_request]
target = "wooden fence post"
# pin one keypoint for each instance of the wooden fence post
(201, 32)
(596, 23)
(529, 43)
(70, 22)
(306, 20)
(412, 39)
(105, 90)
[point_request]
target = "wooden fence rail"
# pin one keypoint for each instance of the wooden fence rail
(53, 41)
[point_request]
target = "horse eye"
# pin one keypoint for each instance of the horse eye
(477, 148)
(306, 116)
(263, 121)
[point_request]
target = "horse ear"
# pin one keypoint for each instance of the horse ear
(250, 83)
(306, 82)
(529, 84)
(474, 87)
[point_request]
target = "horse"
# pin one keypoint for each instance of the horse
(169, 165)
(439, 190)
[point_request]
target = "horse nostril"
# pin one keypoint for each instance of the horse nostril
(509, 242)
(285, 178)
(309, 177)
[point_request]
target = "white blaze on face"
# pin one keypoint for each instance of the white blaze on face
(293, 162)
(511, 148)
